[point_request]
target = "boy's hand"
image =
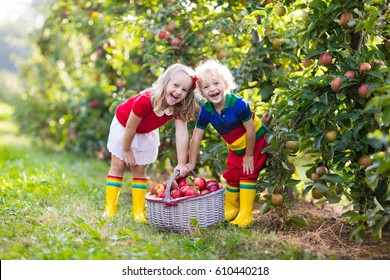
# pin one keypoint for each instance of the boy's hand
(182, 168)
(247, 164)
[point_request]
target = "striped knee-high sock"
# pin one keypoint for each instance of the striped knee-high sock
(139, 183)
(138, 192)
(113, 187)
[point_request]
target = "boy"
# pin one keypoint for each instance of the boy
(243, 133)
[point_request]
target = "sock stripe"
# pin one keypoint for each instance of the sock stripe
(250, 185)
(139, 183)
(232, 189)
(114, 181)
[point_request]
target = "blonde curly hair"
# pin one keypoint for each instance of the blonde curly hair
(213, 67)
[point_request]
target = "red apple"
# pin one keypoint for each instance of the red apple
(175, 41)
(192, 190)
(364, 67)
(93, 104)
(363, 90)
(325, 59)
(200, 183)
(204, 191)
(161, 194)
(184, 188)
(350, 74)
(170, 27)
(174, 185)
(162, 34)
(336, 84)
(157, 188)
(307, 62)
(176, 193)
(182, 182)
(213, 187)
(345, 18)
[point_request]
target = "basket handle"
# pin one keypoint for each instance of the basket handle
(169, 201)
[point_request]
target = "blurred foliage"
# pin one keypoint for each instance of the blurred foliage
(91, 55)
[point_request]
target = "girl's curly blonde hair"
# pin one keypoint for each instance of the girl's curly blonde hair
(184, 110)
(213, 67)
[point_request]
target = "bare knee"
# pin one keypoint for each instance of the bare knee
(139, 171)
(118, 167)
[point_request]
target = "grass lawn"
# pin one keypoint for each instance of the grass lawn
(51, 207)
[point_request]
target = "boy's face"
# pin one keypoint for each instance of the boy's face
(213, 88)
(178, 88)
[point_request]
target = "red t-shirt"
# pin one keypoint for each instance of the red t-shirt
(141, 105)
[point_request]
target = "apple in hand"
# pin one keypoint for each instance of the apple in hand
(200, 183)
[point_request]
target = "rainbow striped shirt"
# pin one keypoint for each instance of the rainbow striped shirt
(229, 124)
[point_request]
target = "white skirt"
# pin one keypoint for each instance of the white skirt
(144, 145)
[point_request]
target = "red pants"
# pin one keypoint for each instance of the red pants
(235, 173)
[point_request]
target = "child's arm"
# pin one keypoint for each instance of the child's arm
(128, 136)
(197, 136)
(247, 163)
(181, 146)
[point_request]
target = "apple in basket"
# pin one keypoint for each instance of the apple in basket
(161, 194)
(212, 185)
(182, 182)
(174, 185)
(184, 188)
(176, 193)
(192, 190)
(200, 183)
(157, 188)
(204, 191)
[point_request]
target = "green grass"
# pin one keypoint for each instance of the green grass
(51, 206)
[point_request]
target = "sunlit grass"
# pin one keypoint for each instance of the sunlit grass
(51, 207)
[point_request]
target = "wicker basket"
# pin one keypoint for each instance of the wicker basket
(176, 214)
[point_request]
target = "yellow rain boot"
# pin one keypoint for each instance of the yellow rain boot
(232, 195)
(138, 193)
(247, 199)
(113, 188)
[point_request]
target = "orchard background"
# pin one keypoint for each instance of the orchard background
(317, 71)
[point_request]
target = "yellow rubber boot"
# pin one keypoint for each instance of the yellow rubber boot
(247, 200)
(232, 195)
(112, 195)
(113, 188)
(138, 192)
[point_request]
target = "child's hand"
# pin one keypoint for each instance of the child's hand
(182, 168)
(247, 164)
(129, 158)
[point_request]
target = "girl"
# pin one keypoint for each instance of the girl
(243, 133)
(134, 138)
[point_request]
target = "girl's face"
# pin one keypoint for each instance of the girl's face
(213, 88)
(178, 88)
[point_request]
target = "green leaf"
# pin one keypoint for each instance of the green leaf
(194, 222)
(318, 4)
(265, 208)
(377, 229)
(259, 13)
(92, 232)
(358, 233)
(335, 178)
(298, 221)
